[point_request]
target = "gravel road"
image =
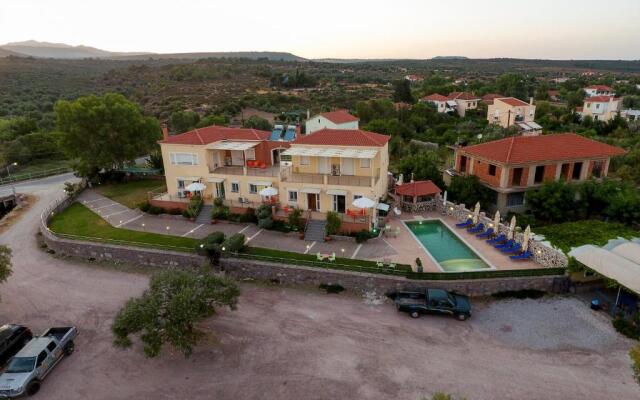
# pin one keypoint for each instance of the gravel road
(284, 343)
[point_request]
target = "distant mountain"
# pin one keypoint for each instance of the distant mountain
(450, 58)
(32, 48)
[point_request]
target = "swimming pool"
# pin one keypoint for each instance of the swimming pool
(445, 247)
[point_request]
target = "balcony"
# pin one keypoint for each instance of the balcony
(227, 170)
(322, 179)
(271, 171)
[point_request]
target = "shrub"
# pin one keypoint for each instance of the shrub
(72, 189)
(210, 246)
(235, 243)
(295, 219)
(263, 213)
(280, 226)
(195, 205)
(627, 327)
(331, 287)
(363, 236)
(519, 294)
(634, 354)
(265, 223)
(333, 223)
(219, 211)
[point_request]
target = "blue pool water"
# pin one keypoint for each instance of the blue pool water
(449, 251)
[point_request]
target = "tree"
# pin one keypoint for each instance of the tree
(168, 311)
(257, 122)
(104, 132)
(469, 191)
(424, 165)
(183, 121)
(333, 223)
(554, 201)
(213, 119)
(5, 263)
(402, 91)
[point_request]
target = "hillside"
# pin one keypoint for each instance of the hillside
(251, 55)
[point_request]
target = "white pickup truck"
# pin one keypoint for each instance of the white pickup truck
(28, 368)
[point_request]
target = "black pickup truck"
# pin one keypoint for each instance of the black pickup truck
(433, 301)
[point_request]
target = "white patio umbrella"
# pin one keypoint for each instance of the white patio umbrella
(363, 202)
(512, 227)
(444, 199)
(269, 191)
(400, 180)
(196, 187)
(525, 240)
(476, 213)
(496, 221)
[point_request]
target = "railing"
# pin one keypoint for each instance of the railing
(227, 170)
(269, 171)
(305, 178)
(342, 180)
(34, 175)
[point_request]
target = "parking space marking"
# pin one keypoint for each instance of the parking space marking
(389, 244)
(93, 201)
(309, 248)
(193, 230)
(244, 229)
(131, 220)
(116, 213)
(355, 252)
(256, 234)
(108, 205)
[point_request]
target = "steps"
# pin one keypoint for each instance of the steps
(316, 230)
(204, 217)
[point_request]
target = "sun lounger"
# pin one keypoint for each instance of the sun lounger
(513, 249)
(477, 228)
(522, 256)
(465, 224)
(485, 234)
(498, 239)
(507, 244)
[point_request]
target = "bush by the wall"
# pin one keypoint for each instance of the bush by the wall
(295, 220)
(363, 236)
(333, 223)
(263, 213)
(627, 327)
(235, 243)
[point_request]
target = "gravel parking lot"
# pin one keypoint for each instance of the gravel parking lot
(288, 343)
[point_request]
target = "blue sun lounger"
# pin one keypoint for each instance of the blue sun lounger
(477, 228)
(501, 238)
(465, 224)
(513, 249)
(485, 234)
(507, 244)
(522, 256)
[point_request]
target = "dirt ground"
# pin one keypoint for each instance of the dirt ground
(286, 343)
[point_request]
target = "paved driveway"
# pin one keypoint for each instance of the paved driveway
(303, 344)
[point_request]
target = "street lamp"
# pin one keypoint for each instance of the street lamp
(13, 164)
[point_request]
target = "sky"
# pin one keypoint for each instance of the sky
(550, 29)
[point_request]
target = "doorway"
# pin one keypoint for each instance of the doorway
(339, 203)
(220, 190)
(313, 201)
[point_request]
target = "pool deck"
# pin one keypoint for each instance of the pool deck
(407, 248)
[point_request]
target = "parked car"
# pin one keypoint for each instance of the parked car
(28, 368)
(433, 301)
(12, 339)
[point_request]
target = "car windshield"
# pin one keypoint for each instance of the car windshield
(21, 364)
(452, 299)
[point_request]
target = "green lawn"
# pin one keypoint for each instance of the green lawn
(78, 220)
(573, 234)
(132, 193)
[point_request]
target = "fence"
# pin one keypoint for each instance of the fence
(33, 175)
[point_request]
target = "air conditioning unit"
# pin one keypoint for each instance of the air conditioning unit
(242, 200)
(286, 163)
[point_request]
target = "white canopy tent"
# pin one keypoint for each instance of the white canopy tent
(196, 187)
(363, 202)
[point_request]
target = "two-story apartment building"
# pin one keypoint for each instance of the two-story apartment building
(599, 90)
(330, 168)
(234, 163)
(509, 111)
(512, 166)
(601, 108)
(339, 119)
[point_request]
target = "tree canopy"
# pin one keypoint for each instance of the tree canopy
(168, 311)
(469, 190)
(5, 263)
(104, 132)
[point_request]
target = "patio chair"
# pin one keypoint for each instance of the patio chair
(525, 255)
(507, 244)
(319, 256)
(379, 264)
(392, 265)
(513, 249)
(468, 222)
(477, 228)
(501, 238)
(486, 234)
(332, 258)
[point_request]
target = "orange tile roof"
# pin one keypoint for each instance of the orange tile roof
(340, 116)
(512, 101)
(214, 133)
(526, 149)
(489, 97)
(343, 137)
(600, 87)
(462, 96)
(599, 99)
(418, 188)
(435, 97)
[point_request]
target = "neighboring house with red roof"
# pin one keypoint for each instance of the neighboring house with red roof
(415, 196)
(601, 108)
(509, 111)
(339, 119)
(554, 95)
(330, 168)
(489, 97)
(442, 103)
(514, 165)
(599, 90)
(464, 101)
(414, 78)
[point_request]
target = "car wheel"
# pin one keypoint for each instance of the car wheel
(69, 348)
(32, 388)
(415, 314)
(462, 317)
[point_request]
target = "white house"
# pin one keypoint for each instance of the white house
(599, 90)
(339, 119)
(601, 108)
(442, 103)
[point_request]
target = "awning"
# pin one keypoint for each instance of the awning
(215, 180)
(330, 152)
(227, 145)
(188, 178)
(337, 192)
(611, 264)
(261, 183)
(382, 207)
(311, 190)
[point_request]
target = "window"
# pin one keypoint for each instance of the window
(250, 154)
(577, 171)
(356, 197)
(564, 171)
(183, 158)
(463, 164)
(492, 170)
(304, 160)
(253, 189)
(235, 187)
(51, 346)
(365, 163)
(539, 176)
(596, 171)
(515, 199)
(517, 176)
(41, 357)
(180, 184)
(293, 196)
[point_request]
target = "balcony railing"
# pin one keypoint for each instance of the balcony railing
(317, 179)
(322, 179)
(227, 170)
(240, 170)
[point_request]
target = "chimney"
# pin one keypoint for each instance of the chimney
(531, 100)
(165, 131)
